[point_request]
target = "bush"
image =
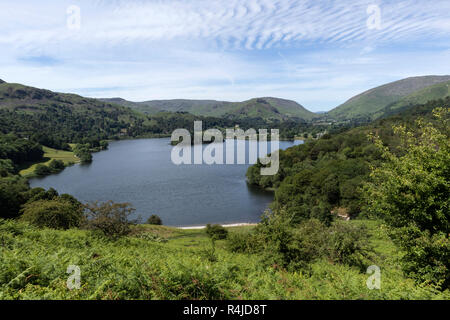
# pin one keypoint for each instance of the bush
(36, 194)
(110, 218)
(216, 232)
(83, 152)
(154, 219)
(348, 244)
(295, 246)
(241, 242)
(42, 170)
(56, 165)
(55, 214)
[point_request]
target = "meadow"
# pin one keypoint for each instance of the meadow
(68, 157)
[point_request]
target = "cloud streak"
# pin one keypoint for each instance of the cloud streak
(251, 24)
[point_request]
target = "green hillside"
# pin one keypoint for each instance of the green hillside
(158, 262)
(197, 107)
(370, 103)
(55, 119)
(267, 108)
(434, 92)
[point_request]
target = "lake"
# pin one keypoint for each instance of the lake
(141, 172)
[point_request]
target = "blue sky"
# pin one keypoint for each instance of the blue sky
(318, 53)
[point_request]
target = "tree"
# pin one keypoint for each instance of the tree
(6, 167)
(410, 191)
(13, 194)
(56, 214)
(56, 165)
(42, 170)
(216, 232)
(110, 218)
(154, 219)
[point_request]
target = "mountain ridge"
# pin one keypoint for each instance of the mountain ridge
(371, 102)
(264, 107)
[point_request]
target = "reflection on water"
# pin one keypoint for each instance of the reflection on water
(141, 172)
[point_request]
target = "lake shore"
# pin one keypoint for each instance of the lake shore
(231, 225)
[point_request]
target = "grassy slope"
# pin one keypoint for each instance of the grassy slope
(50, 154)
(33, 265)
(434, 92)
(370, 102)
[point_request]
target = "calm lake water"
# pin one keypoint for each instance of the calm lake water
(141, 172)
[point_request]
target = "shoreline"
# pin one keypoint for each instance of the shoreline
(228, 225)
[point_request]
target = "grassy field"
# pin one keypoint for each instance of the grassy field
(158, 262)
(50, 154)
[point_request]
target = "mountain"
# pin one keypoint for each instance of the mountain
(267, 108)
(434, 92)
(55, 119)
(197, 107)
(372, 102)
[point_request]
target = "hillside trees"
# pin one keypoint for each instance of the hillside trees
(410, 191)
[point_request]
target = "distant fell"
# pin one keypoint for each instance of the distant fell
(266, 108)
(371, 103)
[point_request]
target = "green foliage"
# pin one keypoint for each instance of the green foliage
(19, 150)
(57, 214)
(327, 175)
(42, 170)
(216, 232)
(83, 152)
(295, 246)
(14, 192)
(33, 265)
(6, 168)
(410, 191)
(154, 219)
(112, 219)
(56, 165)
(348, 244)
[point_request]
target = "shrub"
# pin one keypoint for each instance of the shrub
(56, 214)
(216, 232)
(348, 244)
(110, 218)
(36, 194)
(154, 219)
(241, 242)
(294, 246)
(42, 170)
(56, 165)
(83, 152)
